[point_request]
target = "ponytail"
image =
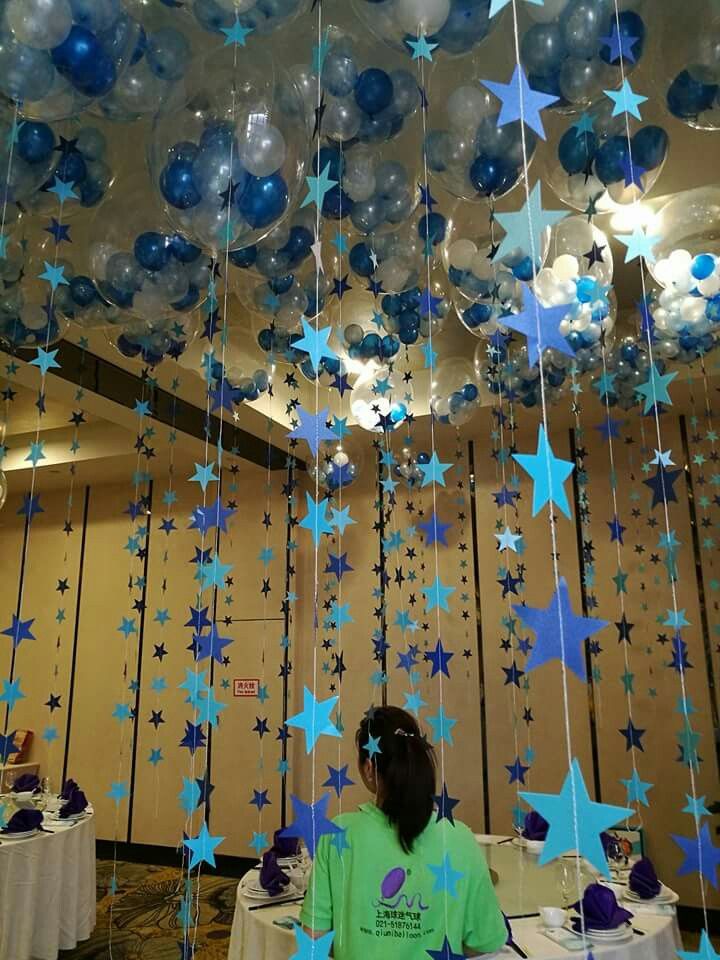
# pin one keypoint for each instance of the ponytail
(406, 767)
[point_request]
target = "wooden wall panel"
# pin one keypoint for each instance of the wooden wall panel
(12, 529)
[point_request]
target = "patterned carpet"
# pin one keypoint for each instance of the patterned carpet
(145, 923)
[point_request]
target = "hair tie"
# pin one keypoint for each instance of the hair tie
(403, 733)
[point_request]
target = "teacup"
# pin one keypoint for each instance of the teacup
(553, 917)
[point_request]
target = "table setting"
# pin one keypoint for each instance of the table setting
(280, 877)
(47, 869)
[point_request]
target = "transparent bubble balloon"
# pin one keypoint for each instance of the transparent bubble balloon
(3, 489)
(455, 396)
(575, 49)
(377, 401)
(407, 469)
(629, 361)
(508, 374)
(152, 341)
(142, 267)
(59, 56)
(262, 17)
(456, 26)
(684, 324)
(466, 151)
(686, 227)
(80, 302)
(690, 64)
(28, 317)
(336, 468)
(229, 165)
(596, 165)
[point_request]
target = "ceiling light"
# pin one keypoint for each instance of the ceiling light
(628, 218)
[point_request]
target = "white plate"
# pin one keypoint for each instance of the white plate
(535, 847)
(256, 892)
(666, 895)
(619, 933)
(622, 938)
(26, 834)
(73, 818)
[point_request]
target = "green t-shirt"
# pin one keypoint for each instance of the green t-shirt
(382, 902)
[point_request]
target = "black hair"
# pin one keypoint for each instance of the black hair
(406, 767)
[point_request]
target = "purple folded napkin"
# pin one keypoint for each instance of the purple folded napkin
(27, 783)
(69, 787)
(272, 877)
(76, 804)
(24, 820)
(536, 827)
(285, 846)
(600, 910)
(643, 880)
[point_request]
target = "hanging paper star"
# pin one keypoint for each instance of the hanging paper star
(638, 244)
(315, 719)
(625, 100)
(316, 520)
(662, 486)
(439, 659)
(507, 540)
(637, 789)
(202, 847)
(520, 101)
(696, 807)
(421, 48)
(706, 951)
(338, 779)
(497, 5)
(311, 822)
(559, 632)
(524, 228)
(194, 737)
(313, 428)
(19, 630)
(204, 475)
(372, 746)
(701, 856)
(63, 190)
(59, 231)
(548, 472)
(445, 805)
(429, 305)
(541, 326)
(118, 791)
(517, 771)
(442, 726)
(315, 344)
(205, 518)
(45, 360)
(55, 276)
(436, 595)
(189, 796)
(236, 35)
(433, 471)
(654, 390)
(576, 821)
(318, 187)
(338, 565)
(11, 693)
(633, 736)
(311, 948)
(435, 530)
(340, 519)
(259, 842)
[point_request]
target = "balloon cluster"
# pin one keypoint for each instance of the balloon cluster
(373, 401)
(627, 364)
(81, 302)
(33, 157)
(236, 385)
(454, 392)
(507, 373)
(408, 471)
(692, 60)
(456, 26)
(153, 340)
(686, 313)
(393, 262)
(575, 49)
(58, 56)
(83, 164)
(27, 314)
(259, 16)
(336, 469)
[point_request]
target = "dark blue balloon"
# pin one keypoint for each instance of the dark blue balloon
(410, 298)
(477, 314)
(389, 346)
(263, 200)
(72, 167)
(177, 185)
(576, 151)
(629, 352)
(373, 90)
(391, 305)
(360, 262)
(547, 83)
(265, 339)
(83, 291)
(632, 32)
(455, 276)
(523, 270)
(91, 192)
(331, 156)
(298, 245)
(408, 335)
(244, 258)
(433, 224)
(183, 250)
(492, 175)
(35, 141)
(81, 59)
(152, 250)
(280, 285)
(188, 301)
(611, 160)
(217, 135)
(337, 204)
(370, 346)
(687, 97)
(649, 147)
(127, 347)
(470, 392)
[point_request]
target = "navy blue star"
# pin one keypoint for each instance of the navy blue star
(633, 736)
(512, 674)
(338, 779)
(160, 651)
(53, 702)
(508, 583)
(341, 286)
(261, 727)
(505, 497)
(439, 660)
(662, 486)
(205, 787)
(30, 506)
(445, 805)
(194, 738)
(60, 231)
(517, 771)
(426, 198)
(338, 565)
(156, 718)
(260, 799)
(340, 383)
(198, 619)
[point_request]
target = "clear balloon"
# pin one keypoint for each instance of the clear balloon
(259, 16)
(28, 316)
(336, 467)
(456, 26)
(691, 65)
(33, 157)
(152, 341)
(455, 395)
(377, 401)
(685, 227)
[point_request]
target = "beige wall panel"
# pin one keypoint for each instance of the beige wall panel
(12, 529)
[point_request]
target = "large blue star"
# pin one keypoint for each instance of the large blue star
(549, 474)
(315, 719)
(315, 343)
(559, 633)
(701, 856)
(575, 820)
(310, 822)
(520, 101)
(435, 530)
(316, 520)
(541, 326)
(524, 228)
(338, 779)
(210, 645)
(313, 428)
(204, 518)
(19, 630)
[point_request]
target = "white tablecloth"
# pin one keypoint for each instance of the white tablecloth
(255, 936)
(47, 892)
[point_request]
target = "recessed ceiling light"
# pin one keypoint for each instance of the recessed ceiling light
(630, 217)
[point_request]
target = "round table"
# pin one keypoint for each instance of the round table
(523, 886)
(47, 891)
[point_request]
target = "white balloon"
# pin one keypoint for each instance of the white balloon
(680, 263)
(709, 286)
(41, 24)
(466, 106)
(461, 253)
(566, 267)
(663, 272)
(692, 309)
(422, 16)
(262, 150)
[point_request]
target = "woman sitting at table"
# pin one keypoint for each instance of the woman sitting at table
(400, 882)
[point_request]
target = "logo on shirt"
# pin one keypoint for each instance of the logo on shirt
(392, 895)
(398, 910)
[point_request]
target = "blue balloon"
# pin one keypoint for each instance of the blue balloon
(470, 392)
(547, 83)
(81, 59)
(649, 147)
(543, 48)
(329, 156)
(35, 141)
(152, 250)
(280, 285)
(524, 270)
(83, 291)
(702, 266)
(177, 185)
(611, 160)
(245, 257)
(360, 262)
(337, 204)
(217, 135)
(183, 250)
(467, 24)
(373, 90)
(72, 167)
(91, 192)
(168, 54)
(477, 314)
(298, 246)
(492, 175)
(389, 347)
(687, 98)
(576, 151)
(339, 74)
(434, 225)
(370, 346)
(263, 200)
(187, 302)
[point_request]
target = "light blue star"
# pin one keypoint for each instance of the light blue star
(524, 228)
(202, 847)
(340, 427)
(548, 473)
(36, 452)
(340, 615)
(312, 428)
(625, 100)
(429, 355)
(421, 48)
(520, 101)
(413, 703)
(584, 124)
(442, 726)
(118, 791)
(11, 693)
(236, 35)
(315, 719)
(50, 734)
(266, 555)
(63, 190)
(445, 877)
(209, 709)
(372, 746)
(45, 360)
(507, 540)
(309, 948)
(156, 756)
(318, 187)
(213, 574)
(128, 625)
(315, 343)
(55, 276)
(121, 712)
(259, 842)
(541, 326)
(341, 519)
(142, 409)
(655, 388)
(316, 520)
(637, 789)
(204, 475)
(638, 244)
(497, 5)
(695, 806)
(162, 617)
(437, 595)
(189, 796)
(434, 471)
(576, 821)
(706, 951)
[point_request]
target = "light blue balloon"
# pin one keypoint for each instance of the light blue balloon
(580, 80)
(367, 215)
(543, 48)
(25, 74)
(212, 171)
(582, 24)
(168, 53)
(436, 143)
(406, 95)
(339, 73)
